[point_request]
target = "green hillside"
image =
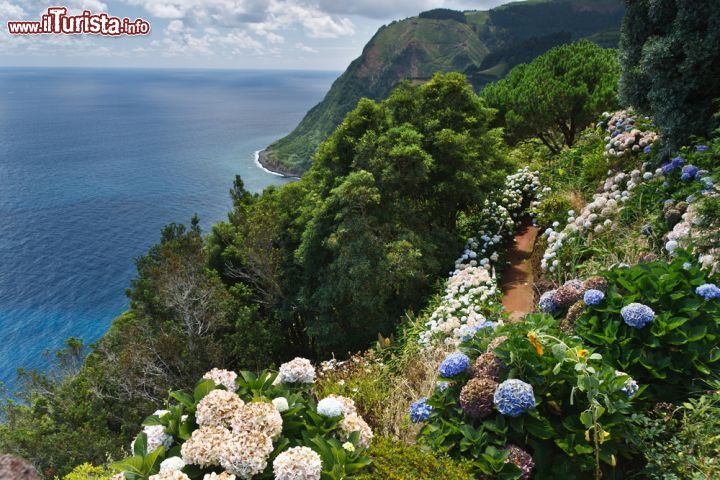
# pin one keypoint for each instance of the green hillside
(484, 45)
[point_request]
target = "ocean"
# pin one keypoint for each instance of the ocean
(93, 163)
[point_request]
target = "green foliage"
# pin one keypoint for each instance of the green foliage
(484, 47)
(87, 471)
(394, 460)
(557, 95)
(682, 442)
(553, 208)
(386, 189)
(579, 420)
(678, 347)
(444, 14)
(669, 60)
(301, 426)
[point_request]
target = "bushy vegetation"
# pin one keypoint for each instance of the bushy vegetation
(670, 64)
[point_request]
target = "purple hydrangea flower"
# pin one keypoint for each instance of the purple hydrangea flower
(637, 315)
(688, 172)
(647, 149)
(420, 411)
(593, 297)
(701, 148)
(454, 364)
(546, 303)
(708, 291)
(514, 397)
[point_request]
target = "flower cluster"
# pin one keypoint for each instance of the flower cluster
(156, 437)
(258, 417)
(625, 135)
(226, 378)
(514, 397)
(298, 463)
(172, 463)
(329, 407)
(521, 459)
(454, 364)
(593, 297)
(298, 370)
(520, 188)
(709, 291)
(420, 410)
(637, 315)
(476, 397)
(459, 314)
(218, 408)
(355, 423)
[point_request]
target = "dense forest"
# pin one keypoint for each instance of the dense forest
(316, 333)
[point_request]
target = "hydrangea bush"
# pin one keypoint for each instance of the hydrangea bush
(251, 427)
(534, 399)
(657, 324)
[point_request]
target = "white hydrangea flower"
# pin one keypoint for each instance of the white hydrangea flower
(298, 463)
(226, 378)
(281, 404)
(298, 370)
(172, 463)
(329, 407)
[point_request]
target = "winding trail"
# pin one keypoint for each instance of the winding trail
(517, 279)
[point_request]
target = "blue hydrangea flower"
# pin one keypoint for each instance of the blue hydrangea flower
(708, 291)
(646, 230)
(593, 297)
(470, 332)
(546, 303)
(514, 397)
(687, 265)
(631, 387)
(667, 168)
(637, 315)
(454, 364)
(442, 385)
(677, 162)
(671, 245)
(647, 149)
(688, 172)
(701, 148)
(420, 411)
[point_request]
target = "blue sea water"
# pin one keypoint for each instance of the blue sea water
(93, 163)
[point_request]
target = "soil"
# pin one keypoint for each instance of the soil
(517, 278)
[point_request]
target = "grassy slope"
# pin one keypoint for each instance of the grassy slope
(416, 48)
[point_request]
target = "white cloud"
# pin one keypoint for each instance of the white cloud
(305, 48)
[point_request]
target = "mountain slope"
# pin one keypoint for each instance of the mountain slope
(483, 45)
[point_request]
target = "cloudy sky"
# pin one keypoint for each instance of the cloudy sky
(255, 34)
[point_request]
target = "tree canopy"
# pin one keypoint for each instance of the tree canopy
(557, 95)
(671, 64)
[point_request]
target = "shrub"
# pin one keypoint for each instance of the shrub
(394, 460)
(678, 346)
(243, 432)
(577, 423)
(87, 471)
(682, 442)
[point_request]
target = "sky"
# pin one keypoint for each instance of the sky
(234, 34)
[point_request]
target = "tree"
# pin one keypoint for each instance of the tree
(383, 197)
(671, 64)
(557, 95)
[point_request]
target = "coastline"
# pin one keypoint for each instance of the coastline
(264, 164)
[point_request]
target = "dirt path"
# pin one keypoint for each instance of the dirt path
(517, 279)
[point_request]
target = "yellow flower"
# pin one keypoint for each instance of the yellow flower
(533, 339)
(349, 447)
(582, 353)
